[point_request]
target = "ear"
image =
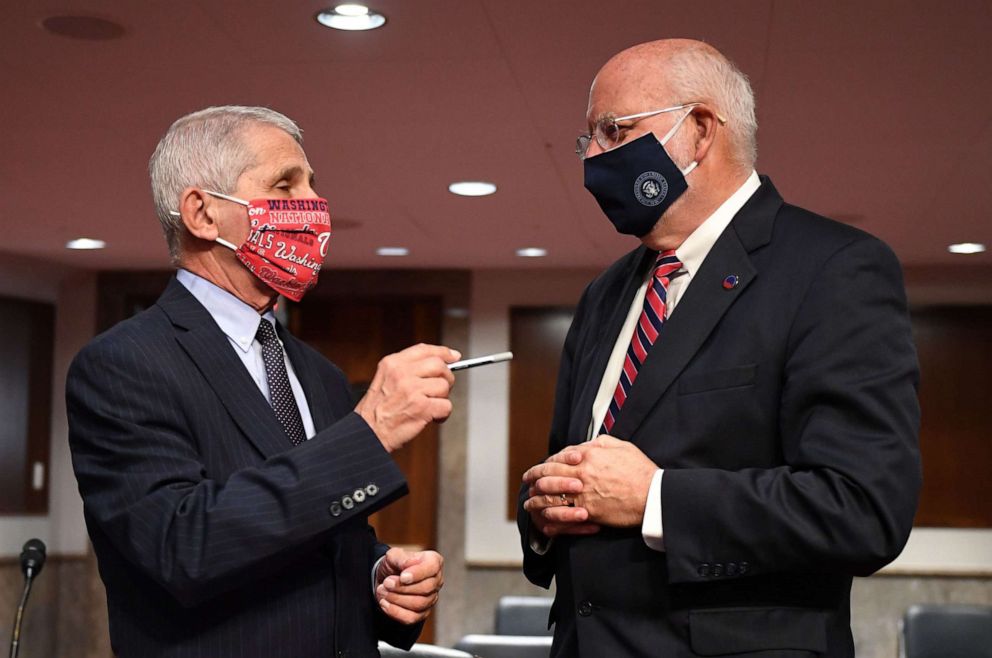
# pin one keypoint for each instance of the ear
(707, 122)
(196, 217)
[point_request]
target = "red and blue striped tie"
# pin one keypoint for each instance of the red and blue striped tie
(645, 334)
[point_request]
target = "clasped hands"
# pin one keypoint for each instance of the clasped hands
(603, 482)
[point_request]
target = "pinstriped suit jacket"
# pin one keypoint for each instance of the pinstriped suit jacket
(214, 536)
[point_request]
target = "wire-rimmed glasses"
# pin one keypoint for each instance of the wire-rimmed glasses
(608, 130)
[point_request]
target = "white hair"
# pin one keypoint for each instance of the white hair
(205, 149)
(701, 73)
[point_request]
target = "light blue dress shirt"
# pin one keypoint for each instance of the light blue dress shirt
(239, 322)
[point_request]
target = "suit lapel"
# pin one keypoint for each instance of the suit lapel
(604, 341)
(313, 388)
(705, 301)
(213, 355)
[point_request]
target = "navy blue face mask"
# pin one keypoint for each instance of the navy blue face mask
(635, 183)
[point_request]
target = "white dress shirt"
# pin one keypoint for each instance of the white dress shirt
(691, 254)
(239, 322)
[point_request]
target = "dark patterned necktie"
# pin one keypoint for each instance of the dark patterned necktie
(645, 334)
(280, 392)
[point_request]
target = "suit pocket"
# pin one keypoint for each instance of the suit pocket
(718, 379)
(731, 631)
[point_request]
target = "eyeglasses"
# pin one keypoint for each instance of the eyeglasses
(608, 131)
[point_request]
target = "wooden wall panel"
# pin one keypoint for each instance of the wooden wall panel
(955, 349)
(536, 338)
(26, 354)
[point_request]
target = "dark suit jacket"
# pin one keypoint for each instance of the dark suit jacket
(214, 536)
(784, 413)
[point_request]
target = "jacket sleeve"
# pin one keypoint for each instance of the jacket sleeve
(844, 499)
(144, 484)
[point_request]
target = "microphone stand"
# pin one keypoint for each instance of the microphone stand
(32, 560)
(16, 636)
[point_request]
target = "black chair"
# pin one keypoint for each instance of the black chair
(523, 615)
(506, 646)
(947, 631)
(421, 651)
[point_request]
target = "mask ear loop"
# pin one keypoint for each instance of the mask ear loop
(219, 195)
(225, 196)
(220, 241)
(668, 136)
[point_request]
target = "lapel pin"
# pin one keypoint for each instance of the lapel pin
(731, 282)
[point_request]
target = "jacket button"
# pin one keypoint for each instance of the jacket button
(335, 508)
(744, 568)
(371, 489)
(585, 609)
(731, 568)
(347, 502)
(717, 570)
(704, 570)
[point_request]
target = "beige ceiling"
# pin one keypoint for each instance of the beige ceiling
(876, 113)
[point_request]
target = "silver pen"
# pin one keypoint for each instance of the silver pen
(480, 361)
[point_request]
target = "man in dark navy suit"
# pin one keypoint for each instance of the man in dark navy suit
(735, 426)
(226, 473)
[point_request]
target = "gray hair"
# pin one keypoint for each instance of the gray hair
(205, 149)
(701, 73)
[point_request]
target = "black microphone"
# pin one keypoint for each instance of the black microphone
(32, 560)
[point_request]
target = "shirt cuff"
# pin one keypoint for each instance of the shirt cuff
(375, 570)
(651, 528)
(538, 542)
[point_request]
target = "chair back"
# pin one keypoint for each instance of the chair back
(506, 646)
(947, 631)
(421, 651)
(523, 615)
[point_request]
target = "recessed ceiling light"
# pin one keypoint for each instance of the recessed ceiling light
(472, 188)
(85, 243)
(532, 252)
(352, 9)
(351, 17)
(392, 251)
(966, 248)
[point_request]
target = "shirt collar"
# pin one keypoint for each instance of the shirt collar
(693, 251)
(236, 319)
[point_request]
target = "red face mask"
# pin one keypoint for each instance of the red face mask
(286, 244)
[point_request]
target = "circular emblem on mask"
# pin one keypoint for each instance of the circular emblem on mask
(650, 188)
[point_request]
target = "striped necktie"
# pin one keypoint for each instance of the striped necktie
(645, 334)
